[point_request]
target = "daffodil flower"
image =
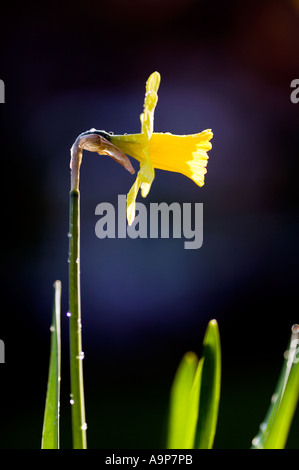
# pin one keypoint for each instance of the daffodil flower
(186, 154)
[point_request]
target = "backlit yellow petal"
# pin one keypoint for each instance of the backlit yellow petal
(146, 172)
(131, 200)
(145, 189)
(144, 180)
(186, 154)
(153, 82)
(150, 102)
(130, 144)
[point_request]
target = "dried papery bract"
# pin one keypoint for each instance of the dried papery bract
(94, 143)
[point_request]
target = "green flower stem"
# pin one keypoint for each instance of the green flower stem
(76, 353)
(93, 141)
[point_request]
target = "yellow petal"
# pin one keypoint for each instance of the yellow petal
(186, 154)
(150, 102)
(145, 189)
(146, 171)
(135, 144)
(131, 144)
(153, 82)
(131, 200)
(144, 180)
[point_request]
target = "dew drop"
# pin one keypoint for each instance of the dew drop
(255, 441)
(52, 328)
(72, 401)
(263, 427)
(81, 355)
(274, 398)
(69, 235)
(68, 314)
(286, 354)
(295, 328)
(84, 426)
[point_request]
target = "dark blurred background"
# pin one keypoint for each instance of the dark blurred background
(227, 66)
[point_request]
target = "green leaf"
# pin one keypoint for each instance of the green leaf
(183, 404)
(274, 430)
(195, 395)
(50, 434)
(210, 388)
(194, 406)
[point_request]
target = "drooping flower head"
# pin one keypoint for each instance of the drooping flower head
(186, 154)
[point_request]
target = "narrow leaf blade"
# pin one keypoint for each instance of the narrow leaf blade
(194, 406)
(50, 434)
(210, 388)
(274, 430)
(179, 413)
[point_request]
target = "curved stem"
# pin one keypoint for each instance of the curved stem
(94, 141)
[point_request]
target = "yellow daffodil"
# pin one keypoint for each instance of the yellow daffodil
(186, 154)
